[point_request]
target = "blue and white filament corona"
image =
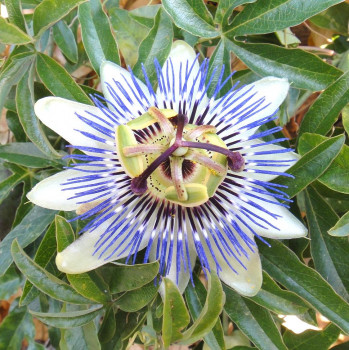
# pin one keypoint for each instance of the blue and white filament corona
(172, 171)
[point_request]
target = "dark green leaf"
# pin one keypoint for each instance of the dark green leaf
(67, 319)
(304, 70)
(43, 280)
(121, 278)
(284, 266)
(108, 326)
(96, 34)
(10, 34)
(48, 12)
(58, 80)
(157, 45)
(27, 117)
(267, 17)
(9, 282)
(330, 254)
(253, 320)
(136, 299)
(336, 176)
(15, 16)
(335, 18)
(325, 110)
(192, 17)
(15, 327)
(312, 340)
(219, 60)
(30, 228)
(278, 300)
(43, 256)
(342, 227)
(15, 126)
(175, 315)
(13, 70)
(65, 40)
(195, 298)
(225, 9)
(8, 184)
(312, 165)
(26, 154)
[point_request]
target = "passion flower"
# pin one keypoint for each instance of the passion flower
(172, 170)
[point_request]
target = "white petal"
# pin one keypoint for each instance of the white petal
(182, 69)
(120, 80)
(184, 273)
(250, 157)
(246, 281)
(79, 256)
(59, 115)
(48, 193)
(273, 90)
(285, 226)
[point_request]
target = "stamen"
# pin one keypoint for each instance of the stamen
(207, 162)
(235, 160)
(142, 149)
(200, 130)
(177, 177)
(164, 123)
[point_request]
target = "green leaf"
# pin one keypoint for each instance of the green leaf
(335, 18)
(303, 69)
(15, 126)
(136, 299)
(11, 73)
(312, 340)
(29, 229)
(253, 320)
(8, 184)
(26, 154)
(175, 314)
(58, 80)
(285, 267)
(9, 282)
(312, 165)
(67, 319)
(129, 33)
(43, 280)
(330, 254)
(108, 326)
(220, 59)
(210, 312)
(64, 233)
(27, 117)
(341, 228)
(10, 34)
(157, 45)
(65, 40)
(345, 118)
(15, 15)
(43, 256)
(325, 110)
(96, 34)
(15, 327)
(278, 300)
(122, 278)
(225, 9)
(195, 298)
(336, 176)
(267, 17)
(191, 16)
(91, 286)
(48, 12)
(81, 338)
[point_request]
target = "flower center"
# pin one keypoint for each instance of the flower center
(197, 158)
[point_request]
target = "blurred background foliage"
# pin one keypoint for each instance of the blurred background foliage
(55, 47)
